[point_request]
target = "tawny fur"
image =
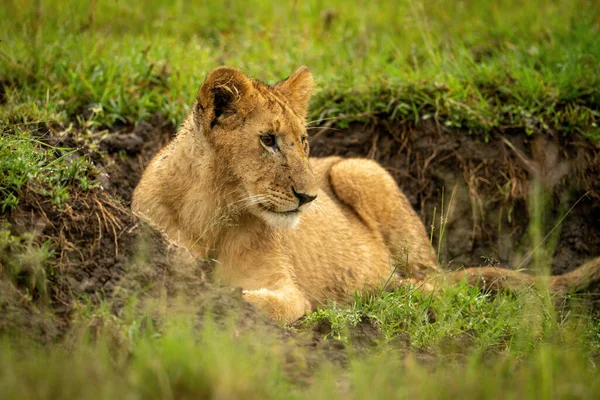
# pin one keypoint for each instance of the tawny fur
(219, 190)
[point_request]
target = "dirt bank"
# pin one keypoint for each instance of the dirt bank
(490, 184)
(97, 240)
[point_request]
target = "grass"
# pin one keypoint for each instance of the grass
(480, 67)
(539, 359)
(25, 262)
(27, 162)
(428, 319)
(180, 363)
(87, 68)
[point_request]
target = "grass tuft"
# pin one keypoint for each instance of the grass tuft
(51, 171)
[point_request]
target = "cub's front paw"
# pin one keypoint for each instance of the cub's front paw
(283, 307)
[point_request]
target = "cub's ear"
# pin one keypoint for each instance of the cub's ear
(222, 93)
(297, 89)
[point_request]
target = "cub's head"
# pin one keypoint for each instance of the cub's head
(258, 135)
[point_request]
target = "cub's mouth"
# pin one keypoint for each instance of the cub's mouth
(279, 219)
(289, 212)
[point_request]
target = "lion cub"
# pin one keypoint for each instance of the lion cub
(237, 185)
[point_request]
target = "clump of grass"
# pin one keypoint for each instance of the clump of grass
(28, 162)
(24, 262)
(428, 320)
(25, 270)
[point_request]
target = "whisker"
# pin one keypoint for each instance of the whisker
(323, 128)
(252, 200)
(315, 208)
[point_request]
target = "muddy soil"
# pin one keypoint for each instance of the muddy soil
(104, 253)
(483, 188)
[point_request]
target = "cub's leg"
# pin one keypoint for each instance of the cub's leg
(265, 275)
(372, 192)
(284, 305)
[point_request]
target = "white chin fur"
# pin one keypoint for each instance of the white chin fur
(285, 221)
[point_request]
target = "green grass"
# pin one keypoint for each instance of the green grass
(132, 359)
(27, 162)
(180, 363)
(25, 262)
(429, 319)
(479, 66)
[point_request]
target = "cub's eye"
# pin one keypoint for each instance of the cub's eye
(268, 140)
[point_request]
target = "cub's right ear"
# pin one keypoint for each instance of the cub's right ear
(222, 94)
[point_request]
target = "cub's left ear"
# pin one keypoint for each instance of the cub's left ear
(297, 89)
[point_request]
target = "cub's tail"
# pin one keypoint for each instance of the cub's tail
(498, 279)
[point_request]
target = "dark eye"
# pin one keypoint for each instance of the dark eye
(268, 140)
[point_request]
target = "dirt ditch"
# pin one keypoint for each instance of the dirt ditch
(488, 187)
(98, 241)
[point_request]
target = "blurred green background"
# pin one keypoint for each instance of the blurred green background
(475, 65)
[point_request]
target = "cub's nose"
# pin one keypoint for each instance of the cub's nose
(303, 198)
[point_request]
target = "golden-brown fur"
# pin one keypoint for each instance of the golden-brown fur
(221, 189)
